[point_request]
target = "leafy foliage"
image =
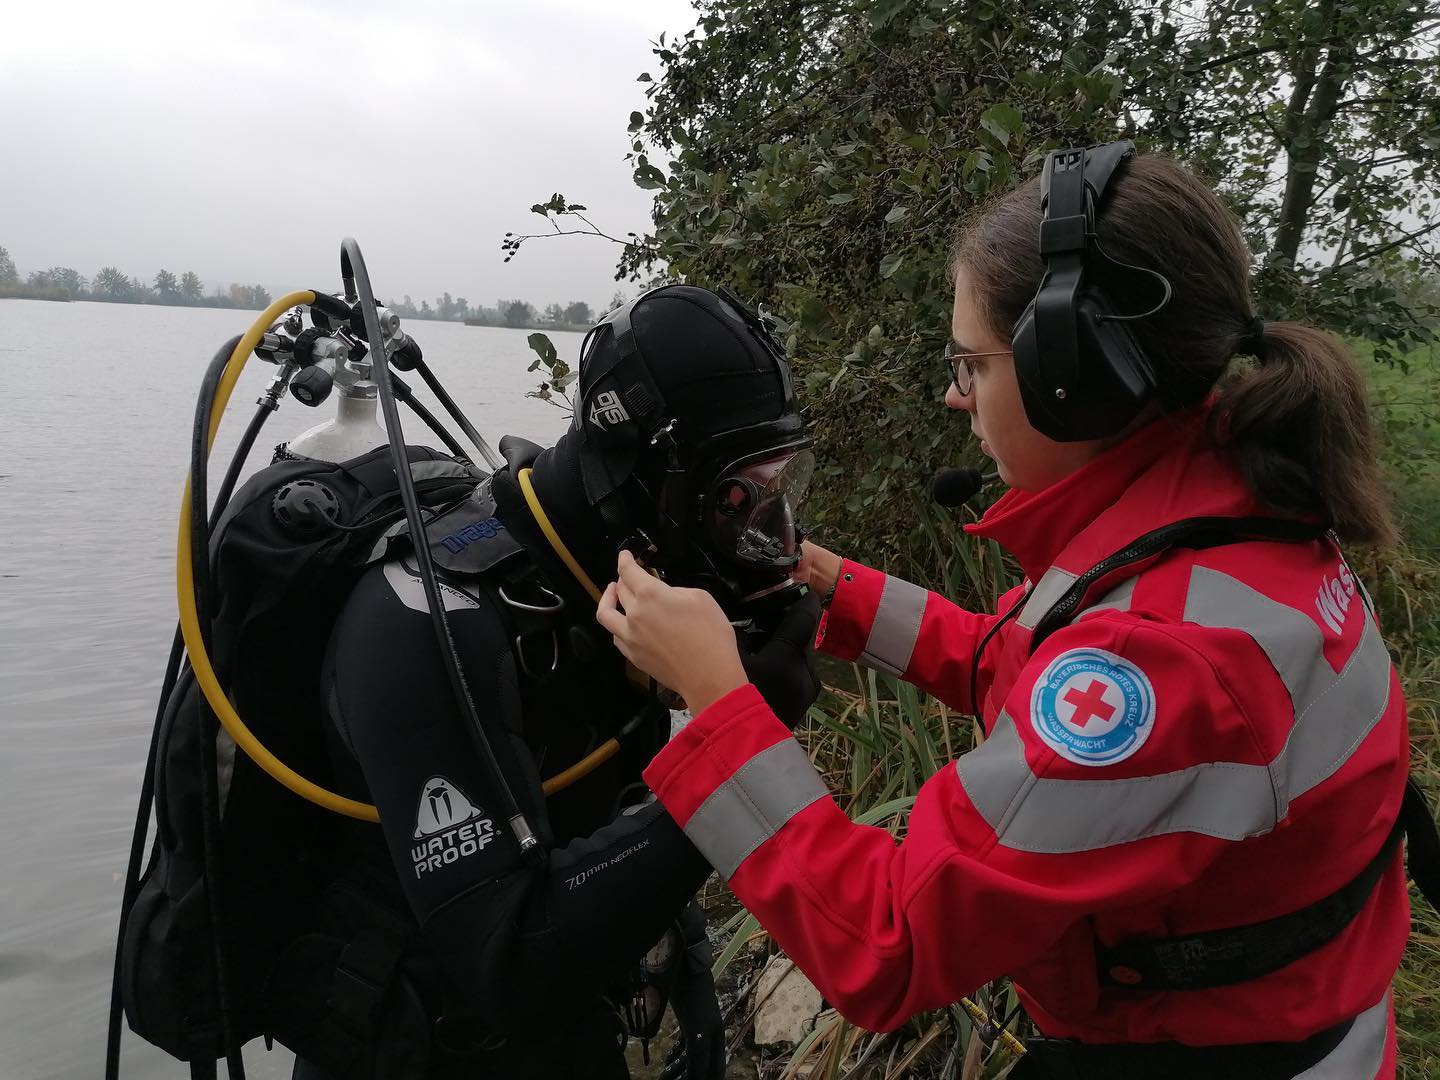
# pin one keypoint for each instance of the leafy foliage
(1320, 121)
(559, 374)
(820, 157)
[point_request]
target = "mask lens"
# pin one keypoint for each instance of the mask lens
(756, 508)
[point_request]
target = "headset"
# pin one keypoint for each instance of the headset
(1082, 374)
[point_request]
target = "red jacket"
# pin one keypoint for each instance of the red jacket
(1216, 740)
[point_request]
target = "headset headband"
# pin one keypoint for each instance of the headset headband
(1071, 188)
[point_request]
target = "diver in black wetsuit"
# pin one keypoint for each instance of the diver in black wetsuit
(687, 446)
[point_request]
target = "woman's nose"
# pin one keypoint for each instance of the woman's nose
(956, 400)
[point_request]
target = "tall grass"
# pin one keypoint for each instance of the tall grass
(877, 740)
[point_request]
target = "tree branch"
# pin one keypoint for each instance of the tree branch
(1392, 100)
(1258, 50)
(1370, 253)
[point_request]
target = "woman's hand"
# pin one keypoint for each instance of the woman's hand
(679, 637)
(817, 568)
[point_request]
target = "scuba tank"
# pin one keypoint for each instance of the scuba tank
(351, 433)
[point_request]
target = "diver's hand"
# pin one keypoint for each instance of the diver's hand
(679, 637)
(780, 668)
(818, 568)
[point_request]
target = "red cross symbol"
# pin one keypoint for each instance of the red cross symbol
(1089, 705)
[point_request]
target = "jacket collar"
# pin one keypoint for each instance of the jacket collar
(1168, 470)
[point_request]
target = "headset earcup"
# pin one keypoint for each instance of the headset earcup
(1045, 413)
(1117, 379)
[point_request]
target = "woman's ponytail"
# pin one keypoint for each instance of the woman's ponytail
(1297, 424)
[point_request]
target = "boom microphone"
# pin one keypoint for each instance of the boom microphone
(952, 487)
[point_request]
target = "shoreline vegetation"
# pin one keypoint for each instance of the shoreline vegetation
(112, 286)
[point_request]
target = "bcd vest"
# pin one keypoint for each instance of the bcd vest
(285, 555)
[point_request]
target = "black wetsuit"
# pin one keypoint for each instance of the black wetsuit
(528, 958)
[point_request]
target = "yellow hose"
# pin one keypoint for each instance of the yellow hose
(190, 621)
(606, 750)
(584, 767)
(543, 520)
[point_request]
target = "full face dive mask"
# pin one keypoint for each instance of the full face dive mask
(688, 415)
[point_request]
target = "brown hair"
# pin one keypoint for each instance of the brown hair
(1297, 422)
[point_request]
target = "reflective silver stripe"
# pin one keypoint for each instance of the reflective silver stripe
(896, 628)
(1333, 714)
(1050, 588)
(1054, 817)
(1053, 585)
(754, 804)
(1117, 599)
(1362, 1051)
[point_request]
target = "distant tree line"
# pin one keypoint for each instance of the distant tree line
(113, 286)
(517, 314)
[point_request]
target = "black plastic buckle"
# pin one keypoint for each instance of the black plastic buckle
(1059, 236)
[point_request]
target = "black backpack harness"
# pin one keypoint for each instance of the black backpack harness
(285, 556)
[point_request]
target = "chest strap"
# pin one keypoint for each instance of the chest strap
(1062, 1059)
(1238, 954)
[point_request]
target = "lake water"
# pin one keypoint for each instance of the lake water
(94, 447)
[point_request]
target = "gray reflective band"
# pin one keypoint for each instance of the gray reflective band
(896, 627)
(1055, 817)
(754, 804)
(1052, 587)
(1047, 591)
(1117, 599)
(1333, 714)
(1362, 1051)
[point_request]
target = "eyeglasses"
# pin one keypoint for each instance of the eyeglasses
(960, 366)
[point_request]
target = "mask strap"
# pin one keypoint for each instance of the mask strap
(672, 501)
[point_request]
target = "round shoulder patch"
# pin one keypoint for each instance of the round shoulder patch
(1093, 707)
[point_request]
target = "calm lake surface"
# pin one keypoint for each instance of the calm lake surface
(94, 447)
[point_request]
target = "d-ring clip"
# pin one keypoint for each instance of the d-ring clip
(554, 608)
(525, 664)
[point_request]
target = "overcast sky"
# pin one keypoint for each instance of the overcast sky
(243, 141)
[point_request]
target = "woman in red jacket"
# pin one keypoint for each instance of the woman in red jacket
(1180, 834)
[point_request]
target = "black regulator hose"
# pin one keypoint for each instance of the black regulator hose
(209, 724)
(137, 854)
(139, 834)
(406, 395)
(352, 271)
(448, 403)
